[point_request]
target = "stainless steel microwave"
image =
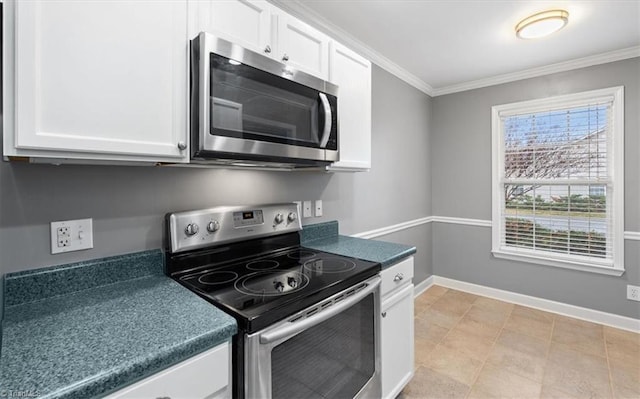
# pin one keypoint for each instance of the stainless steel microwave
(249, 109)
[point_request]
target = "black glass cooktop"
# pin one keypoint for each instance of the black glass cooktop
(259, 291)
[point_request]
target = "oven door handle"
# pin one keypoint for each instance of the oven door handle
(327, 120)
(292, 328)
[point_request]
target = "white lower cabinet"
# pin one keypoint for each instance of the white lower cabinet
(203, 376)
(397, 355)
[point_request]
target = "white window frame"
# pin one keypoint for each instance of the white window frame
(615, 158)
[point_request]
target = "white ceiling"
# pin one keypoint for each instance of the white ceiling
(451, 45)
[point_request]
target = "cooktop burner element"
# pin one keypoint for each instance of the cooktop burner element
(271, 284)
(330, 265)
(262, 264)
(214, 278)
(301, 254)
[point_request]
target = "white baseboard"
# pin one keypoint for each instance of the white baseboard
(422, 286)
(577, 312)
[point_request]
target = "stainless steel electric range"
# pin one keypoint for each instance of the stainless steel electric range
(306, 319)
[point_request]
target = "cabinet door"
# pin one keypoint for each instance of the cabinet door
(101, 77)
(203, 376)
(352, 74)
(397, 342)
(302, 46)
(243, 22)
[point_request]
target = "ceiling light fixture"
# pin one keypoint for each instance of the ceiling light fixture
(542, 24)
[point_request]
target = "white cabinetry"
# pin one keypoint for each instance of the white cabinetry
(397, 357)
(302, 47)
(243, 22)
(101, 79)
(352, 74)
(263, 28)
(204, 376)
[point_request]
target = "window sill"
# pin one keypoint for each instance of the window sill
(565, 264)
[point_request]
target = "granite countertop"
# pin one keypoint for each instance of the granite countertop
(62, 340)
(325, 237)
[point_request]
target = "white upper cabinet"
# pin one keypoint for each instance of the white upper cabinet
(302, 47)
(100, 79)
(261, 27)
(244, 22)
(352, 73)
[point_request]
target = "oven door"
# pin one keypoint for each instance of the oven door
(254, 106)
(329, 350)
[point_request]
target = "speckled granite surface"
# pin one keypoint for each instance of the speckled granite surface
(87, 343)
(377, 251)
(39, 284)
(312, 232)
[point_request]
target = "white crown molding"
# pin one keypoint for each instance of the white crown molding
(611, 56)
(596, 316)
(300, 10)
(393, 228)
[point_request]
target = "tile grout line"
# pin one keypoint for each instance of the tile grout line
(484, 362)
(606, 352)
(445, 336)
(448, 331)
(509, 314)
(546, 358)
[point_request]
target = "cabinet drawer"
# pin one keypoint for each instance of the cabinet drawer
(396, 276)
(202, 376)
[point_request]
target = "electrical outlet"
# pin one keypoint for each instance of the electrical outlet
(318, 209)
(71, 235)
(63, 237)
(306, 209)
(633, 293)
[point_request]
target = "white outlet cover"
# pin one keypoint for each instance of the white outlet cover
(306, 209)
(633, 293)
(80, 235)
(318, 209)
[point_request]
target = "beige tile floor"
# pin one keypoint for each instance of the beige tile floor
(469, 346)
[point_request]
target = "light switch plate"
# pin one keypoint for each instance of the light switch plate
(71, 235)
(318, 209)
(306, 209)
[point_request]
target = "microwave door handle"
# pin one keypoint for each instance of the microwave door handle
(293, 328)
(327, 120)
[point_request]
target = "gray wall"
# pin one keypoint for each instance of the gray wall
(128, 203)
(461, 187)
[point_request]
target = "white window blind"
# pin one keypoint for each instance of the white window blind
(556, 181)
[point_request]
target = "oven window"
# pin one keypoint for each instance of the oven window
(333, 359)
(252, 104)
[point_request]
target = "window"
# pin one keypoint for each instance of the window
(557, 181)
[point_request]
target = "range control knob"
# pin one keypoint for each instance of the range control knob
(292, 217)
(213, 226)
(278, 286)
(279, 218)
(293, 283)
(191, 229)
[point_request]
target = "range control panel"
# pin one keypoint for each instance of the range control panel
(213, 226)
(247, 218)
